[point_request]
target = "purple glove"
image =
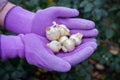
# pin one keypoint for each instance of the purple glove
(19, 20)
(27, 22)
(61, 15)
(34, 50)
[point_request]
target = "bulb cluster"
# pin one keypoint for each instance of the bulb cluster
(61, 39)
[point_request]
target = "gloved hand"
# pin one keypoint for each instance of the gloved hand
(63, 16)
(19, 20)
(33, 48)
(27, 22)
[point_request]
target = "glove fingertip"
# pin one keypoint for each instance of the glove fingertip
(94, 45)
(91, 23)
(66, 12)
(96, 32)
(64, 67)
(76, 12)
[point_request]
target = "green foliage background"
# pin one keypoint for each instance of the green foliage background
(104, 64)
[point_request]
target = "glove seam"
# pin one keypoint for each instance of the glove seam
(21, 37)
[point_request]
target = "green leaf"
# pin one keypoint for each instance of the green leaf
(83, 3)
(113, 25)
(104, 12)
(109, 33)
(97, 14)
(6, 77)
(87, 15)
(89, 68)
(88, 77)
(114, 7)
(118, 14)
(98, 3)
(88, 7)
(18, 74)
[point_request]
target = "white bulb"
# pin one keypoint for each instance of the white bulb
(58, 34)
(62, 39)
(68, 45)
(77, 37)
(52, 33)
(64, 31)
(55, 46)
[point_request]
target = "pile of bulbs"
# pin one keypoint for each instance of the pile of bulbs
(60, 38)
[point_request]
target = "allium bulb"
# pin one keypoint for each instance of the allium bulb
(62, 39)
(52, 33)
(68, 45)
(77, 37)
(64, 31)
(55, 46)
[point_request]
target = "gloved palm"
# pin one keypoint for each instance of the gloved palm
(34, 50)
(41, 55)
(38, 54)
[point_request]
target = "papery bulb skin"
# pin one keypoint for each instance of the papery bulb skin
(77, 37)
(68, 45)
(64, 31)
(55, 46)
(62, 39)
(52, 33)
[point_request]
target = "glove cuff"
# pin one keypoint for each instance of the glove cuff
(11, 47)
(18, 20)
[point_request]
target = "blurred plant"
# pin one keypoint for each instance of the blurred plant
(104, 64)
